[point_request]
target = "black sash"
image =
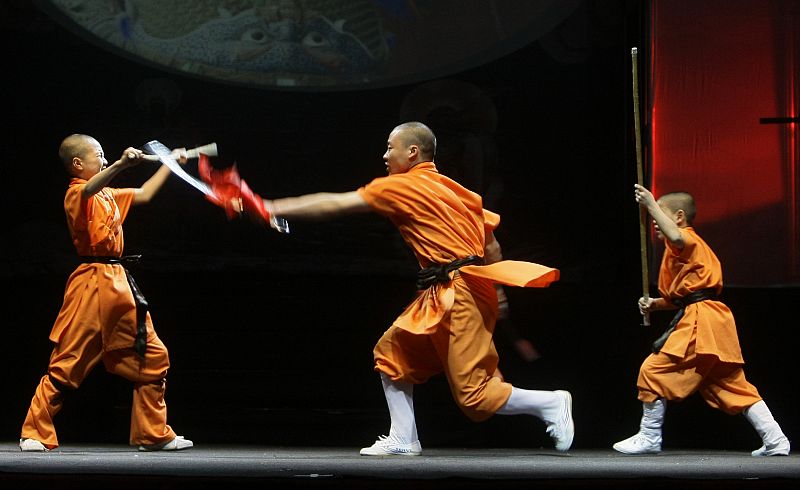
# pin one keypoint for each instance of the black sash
(690, 298)
(434, 274)
(141, 302)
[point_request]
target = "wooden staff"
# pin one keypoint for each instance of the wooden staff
(640, 181)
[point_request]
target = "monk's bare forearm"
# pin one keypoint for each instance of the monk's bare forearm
(103, 178)
(318, 206)
(151, 187)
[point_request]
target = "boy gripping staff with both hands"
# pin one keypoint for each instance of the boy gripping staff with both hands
(700, 350)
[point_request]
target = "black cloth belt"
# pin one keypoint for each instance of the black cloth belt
(690, 298)
(439, 273)
(140, 344)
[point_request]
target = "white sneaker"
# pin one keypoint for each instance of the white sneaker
(31, 445)
(562, 429)
(385, 446)
(781, 448)
(176, 444)
(638, 444)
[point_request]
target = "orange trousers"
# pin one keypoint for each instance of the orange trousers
(71, 361)
(462, 347)
(721, 384)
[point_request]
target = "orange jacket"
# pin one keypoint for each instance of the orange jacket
(694, 268)
(442, 221)
(97, 296)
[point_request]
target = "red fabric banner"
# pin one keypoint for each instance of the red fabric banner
(723, 86)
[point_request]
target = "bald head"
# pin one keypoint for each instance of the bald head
(675, 201)
(74, 145)
(416, 133)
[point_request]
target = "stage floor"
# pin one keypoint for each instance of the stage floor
(218, 466)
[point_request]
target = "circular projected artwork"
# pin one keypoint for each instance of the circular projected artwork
(311, 44)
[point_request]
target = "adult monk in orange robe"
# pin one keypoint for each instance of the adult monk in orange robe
(103, 316)
(700, 351)
(448, 326)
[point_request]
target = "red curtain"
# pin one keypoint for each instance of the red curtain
(723, 96)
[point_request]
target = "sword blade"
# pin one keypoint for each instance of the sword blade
(164, 155)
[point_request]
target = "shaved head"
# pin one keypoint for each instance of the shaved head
(680, 200)
(73, 146)
(416, 133)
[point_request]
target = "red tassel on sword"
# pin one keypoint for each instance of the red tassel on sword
(231, 192)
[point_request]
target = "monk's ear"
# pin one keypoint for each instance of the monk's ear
(681, 215)
(77, 164)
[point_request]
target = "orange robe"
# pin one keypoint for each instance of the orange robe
(448, 327)
(97, 322)
(702, 353)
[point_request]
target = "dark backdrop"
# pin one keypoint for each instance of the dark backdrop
(270, 335)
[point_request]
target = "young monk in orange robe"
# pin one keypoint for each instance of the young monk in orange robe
(448, 326)
(103, 316)
(700, 351)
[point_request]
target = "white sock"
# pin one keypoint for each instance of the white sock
(399, 398)
(764, 423)
(529, 402)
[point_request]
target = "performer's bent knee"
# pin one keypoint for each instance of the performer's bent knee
(61, 386)
(56, 376)
(157, 360)
(129, 365)
(481, 403)
(652, 385)
(477, 414)
(396, 374)
(647, 396)
(157, 353)
(159, 384)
